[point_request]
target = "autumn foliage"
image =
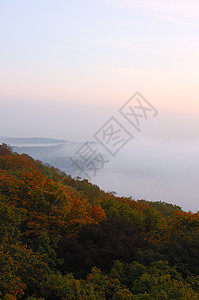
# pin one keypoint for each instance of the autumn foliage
(63, 238)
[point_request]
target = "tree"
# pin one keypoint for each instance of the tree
(5, 149)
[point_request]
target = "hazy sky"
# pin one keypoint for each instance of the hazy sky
(99, 52)
(68, 66)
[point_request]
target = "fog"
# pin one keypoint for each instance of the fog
(154, 170)
(161, 163)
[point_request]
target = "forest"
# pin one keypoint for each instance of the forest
(65, 238)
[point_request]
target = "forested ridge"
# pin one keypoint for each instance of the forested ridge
(64, 238)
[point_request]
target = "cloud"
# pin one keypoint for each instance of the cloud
(174, 11)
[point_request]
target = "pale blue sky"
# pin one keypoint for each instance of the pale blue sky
(66, 53)
(57, 50)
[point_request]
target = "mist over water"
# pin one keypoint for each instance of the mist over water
(146, 168)
(161, 163)
(152, 170)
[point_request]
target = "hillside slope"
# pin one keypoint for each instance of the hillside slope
(63, 238)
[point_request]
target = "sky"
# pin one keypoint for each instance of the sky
(68, 66)
(99, 52)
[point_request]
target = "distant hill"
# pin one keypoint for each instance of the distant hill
(50, 151)
(30, 141)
